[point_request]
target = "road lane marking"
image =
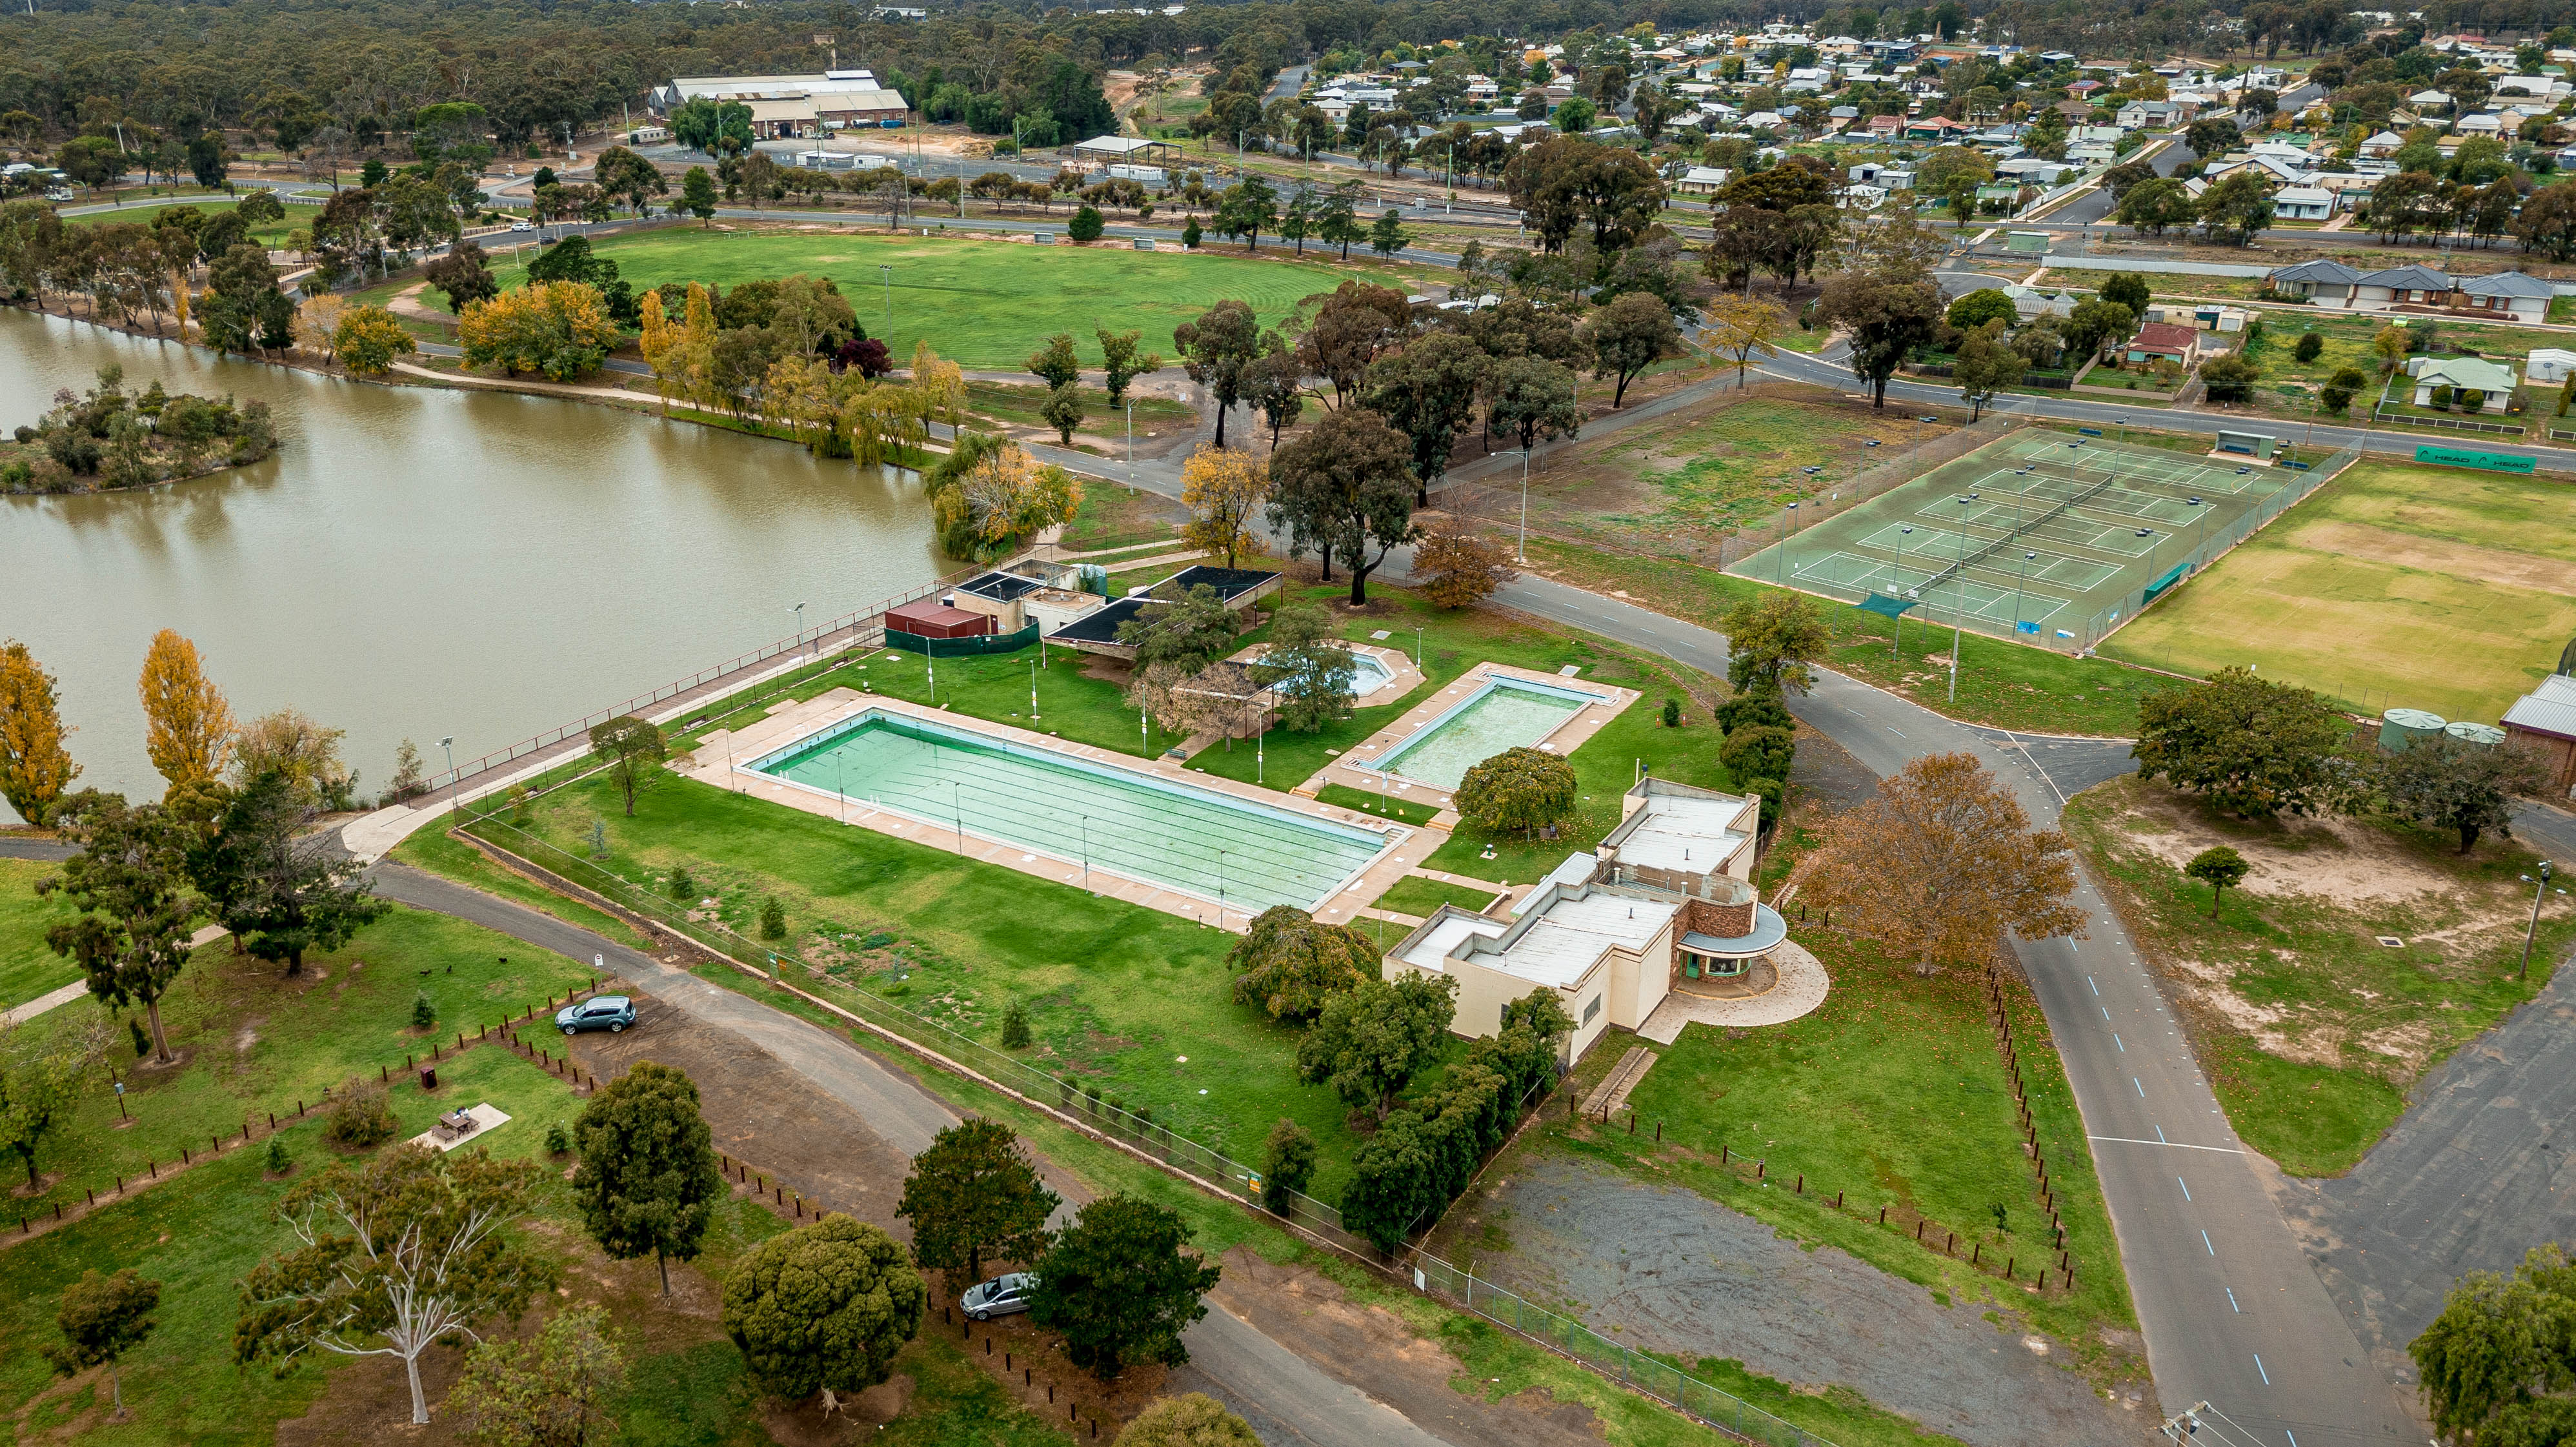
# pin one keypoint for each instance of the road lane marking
(2186, 1191)
(1900, 733)
(2142, 1090)
(2160, 1136)
(2115, 1039)
(2177, 1145)
(2258, 1366)
(2106, 1014)
(2204, 1240)
(2097, 989)
(2231, 1300)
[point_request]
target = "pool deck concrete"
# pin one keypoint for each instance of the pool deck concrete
(722, 760)
(1351, 769)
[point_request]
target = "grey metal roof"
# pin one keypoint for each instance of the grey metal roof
(2506, 283)
(2322, 269)
(2412, 277)
(2548, 709)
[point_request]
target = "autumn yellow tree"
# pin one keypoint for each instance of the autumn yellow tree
(559, 330)
(366, 340)
(317, 323)
(187, 726)
(988, 493)
(1739, 326)
(940, 386)
(34, 765)
(1223, 487)
(1940, 862)
(291, 744)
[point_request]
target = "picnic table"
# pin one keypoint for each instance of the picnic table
(456, 1124)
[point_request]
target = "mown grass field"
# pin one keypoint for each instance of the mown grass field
(981, 303)
(28, 966)
(250, 1039)
(141, 209)
(1728, 465)
(2392, 585)
(2312, 1030)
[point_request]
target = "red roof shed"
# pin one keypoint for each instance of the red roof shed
(929, 619)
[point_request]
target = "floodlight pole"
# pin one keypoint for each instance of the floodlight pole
(1523, 554)
(1959, 599)
(1780, 573)
(1902, 534)
(1131, 442)
(1033, 688)
(2539, 887)
(2021, 588)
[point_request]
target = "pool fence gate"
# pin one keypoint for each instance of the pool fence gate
(1085, 1106)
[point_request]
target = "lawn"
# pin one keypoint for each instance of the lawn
(1723, 467)
(2393, 585)
(28, 966)
(1018, 406)
(2313, 1031)
(981, 303)
(1894, 1094)
(142, 209)
(1116, 995)
(200, 1233)
(1418, 895)
(252, 1040)
(1114, 516)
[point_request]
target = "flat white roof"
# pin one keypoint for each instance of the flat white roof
(1681, 833)
(1118, 145)
(1567, 941)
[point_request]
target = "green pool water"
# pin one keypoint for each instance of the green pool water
(1198, 840)
(1507, 713)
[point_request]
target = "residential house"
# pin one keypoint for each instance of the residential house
(2303, 203)
(1864, 197)
(2484, 123)
(2430, 100)
(2163, 341)
(2411, 285)
(1701, 180)
(2493, 382)
(2381, 145)
(2524, 298)
(2140, 115)
(2199, 316)
(1936, 129)
(1885, 128)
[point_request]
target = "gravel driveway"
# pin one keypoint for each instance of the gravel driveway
(1676, 1272)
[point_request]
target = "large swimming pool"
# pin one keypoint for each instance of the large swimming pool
(1506, 713)
(1210, 844)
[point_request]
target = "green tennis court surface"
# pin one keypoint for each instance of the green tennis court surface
(1209, 844)
(2040, 534)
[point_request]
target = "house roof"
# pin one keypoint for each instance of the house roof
(2411, 277)
(2506, 283)
(2549, 709)
(2165, 337)
(2305, 196)
(2322, 269)
(2470, 373)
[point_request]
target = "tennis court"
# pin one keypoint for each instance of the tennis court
(2049, 536)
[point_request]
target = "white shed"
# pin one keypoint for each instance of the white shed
(2551, 365)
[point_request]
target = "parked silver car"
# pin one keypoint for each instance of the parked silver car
(612, 1013)
(1000, 1296)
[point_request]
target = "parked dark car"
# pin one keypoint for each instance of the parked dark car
(612, 1013)
(1000, 1296)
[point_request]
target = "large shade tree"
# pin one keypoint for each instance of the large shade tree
(1291, 963)
(648, 1179)
(823, 1308)
(1346, 487)
(1941, 862)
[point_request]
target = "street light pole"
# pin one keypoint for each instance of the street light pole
(2539, 887)
(449, 744)
(800, 629)
(1902, 534)
(1780, 572)
(1131, 442)
(2021, 589)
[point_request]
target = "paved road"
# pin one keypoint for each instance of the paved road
(1293, 1400)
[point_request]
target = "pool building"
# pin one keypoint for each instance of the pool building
(1664, 905)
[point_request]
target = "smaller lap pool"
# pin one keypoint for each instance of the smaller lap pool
(1202, 841)
(1506, 713)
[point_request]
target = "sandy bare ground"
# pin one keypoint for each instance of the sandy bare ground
(2439, 555)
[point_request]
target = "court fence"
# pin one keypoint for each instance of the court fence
(961, 647)
(1083, 1105)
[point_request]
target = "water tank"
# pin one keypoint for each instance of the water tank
(2485, 736)
(2400, 727)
